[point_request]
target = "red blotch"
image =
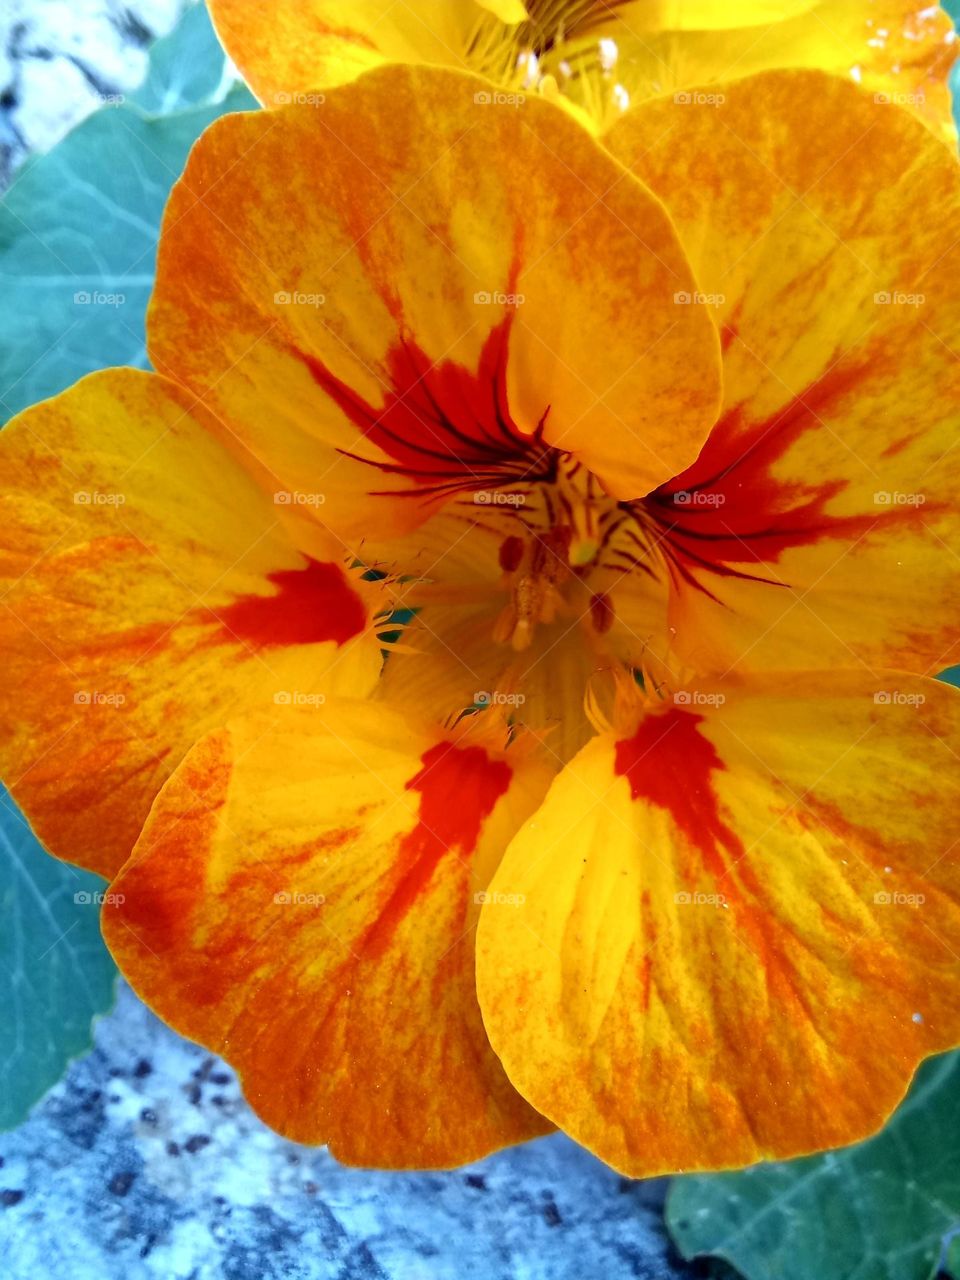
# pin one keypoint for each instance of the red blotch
(446, 427)
(760, 515)
(459, 787)
(669, 763)
(310, 606)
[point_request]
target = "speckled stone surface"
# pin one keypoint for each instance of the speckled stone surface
(146, 1162)
(60, 59)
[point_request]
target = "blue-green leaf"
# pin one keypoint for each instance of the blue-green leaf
(57, 974)
(188, 68)
(79, 226)
(880, 1210)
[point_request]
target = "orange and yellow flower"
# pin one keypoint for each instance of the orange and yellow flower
(597, 57)
(637, 462)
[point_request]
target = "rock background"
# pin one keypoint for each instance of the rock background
(59, 59)
(145, 1161)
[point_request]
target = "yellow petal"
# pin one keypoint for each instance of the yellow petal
(150, 589)
(508, 11)
(303, 900)
(292, 47)
(741, 923)
(813, 527)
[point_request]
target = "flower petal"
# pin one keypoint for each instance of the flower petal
(741, 923)
(302, 900)
(462, 283)
(815, 526)
(291, 47)
(149, 590)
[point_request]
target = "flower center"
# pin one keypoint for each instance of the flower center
(556, 53)
(564, 535)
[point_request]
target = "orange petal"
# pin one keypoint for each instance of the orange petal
(303, 900)
(741, 923)
(813, 527)
(461, 283)
(149, 590)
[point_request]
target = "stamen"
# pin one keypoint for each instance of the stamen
(609, 53)
(559, 53)
(601, 612)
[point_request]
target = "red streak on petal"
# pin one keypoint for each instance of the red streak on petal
(727, 336)
(310, 606)
(668, 763)
(347, 34)
(759, 515)
(459, 787)
(445, 426)
(646, 968)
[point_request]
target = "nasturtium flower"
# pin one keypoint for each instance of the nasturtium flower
(489, 656)
(597, 57)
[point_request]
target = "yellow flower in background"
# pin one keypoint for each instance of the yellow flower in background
(638, 460)
(597, 56)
